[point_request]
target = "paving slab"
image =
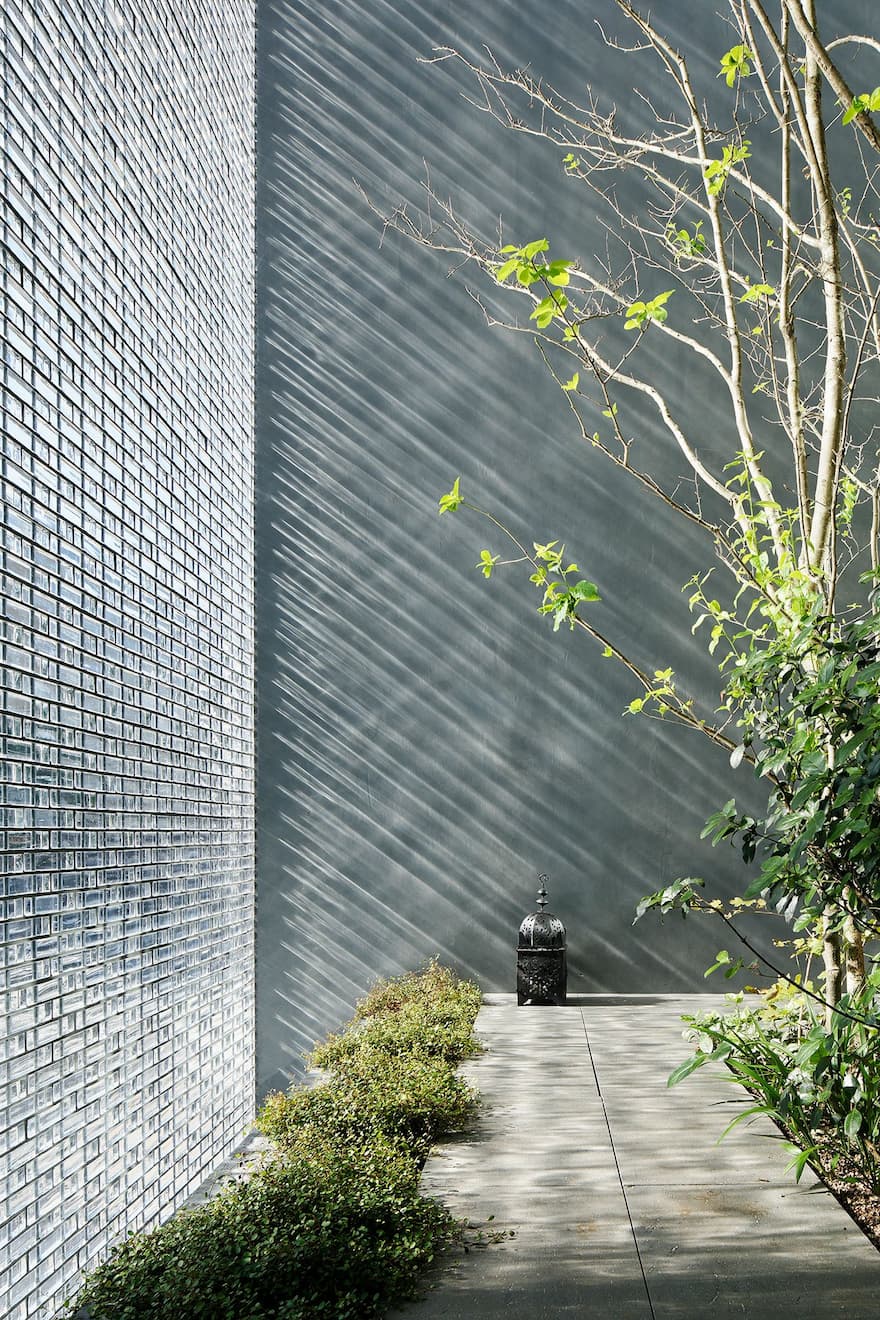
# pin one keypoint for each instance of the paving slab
(621, 1201)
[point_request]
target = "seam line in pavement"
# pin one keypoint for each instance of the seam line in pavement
(632, 1227)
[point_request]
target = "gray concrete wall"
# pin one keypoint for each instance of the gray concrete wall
(427, 745)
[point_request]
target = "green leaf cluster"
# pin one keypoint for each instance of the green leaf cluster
(807, 704)
(487, 562)
(640, 314)
(332, 1226)
(736, 63)
(868, 101)
(731, 965)
(716, 171)
(561, 597)
(452, 499)
(756, 292)
(525, 264)
(659, 697)
(686, 243)
(679, 896)
(528, 267)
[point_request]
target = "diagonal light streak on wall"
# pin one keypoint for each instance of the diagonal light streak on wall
(426, 744)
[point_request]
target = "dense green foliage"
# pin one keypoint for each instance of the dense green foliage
(806, 703)
(411, 1098)
(821, 1085)
(428, 1012)
(808, 1050)
(332, 1226)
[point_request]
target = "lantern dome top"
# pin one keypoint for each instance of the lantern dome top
(542, 930)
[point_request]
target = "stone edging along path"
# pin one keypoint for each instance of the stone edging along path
(622, 1202)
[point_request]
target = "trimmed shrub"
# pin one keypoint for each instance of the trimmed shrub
(428, 1012)
(412, 1098)
(332, 1227)
(325, 1231)
(430, 986)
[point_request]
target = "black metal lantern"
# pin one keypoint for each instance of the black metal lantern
(541, 974)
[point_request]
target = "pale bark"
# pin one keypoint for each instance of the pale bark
(854, 956)
(833, 964)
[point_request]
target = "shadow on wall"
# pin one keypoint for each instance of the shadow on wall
(426, 744)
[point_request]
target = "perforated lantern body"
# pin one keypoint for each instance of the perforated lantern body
(541, 973)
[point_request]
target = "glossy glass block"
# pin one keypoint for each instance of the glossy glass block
(126, 621)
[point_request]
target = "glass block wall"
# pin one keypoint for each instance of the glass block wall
(126, 618)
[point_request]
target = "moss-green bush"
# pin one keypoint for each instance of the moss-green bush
(430, 1012)
(442, 1029)
(413, 1098)
(333, 1226)
(324, 1231)
(431, 986)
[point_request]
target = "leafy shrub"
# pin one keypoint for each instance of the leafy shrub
(326, 1231)
(430, 986)
(441, 1028)
(821, 1084)
(413, 1098)
(332, 1227)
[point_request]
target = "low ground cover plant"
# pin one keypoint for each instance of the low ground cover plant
(412, 1098)
(332, 1226)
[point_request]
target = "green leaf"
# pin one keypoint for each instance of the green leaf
(572, 384)
(736, 63)
(553, 305)
(852, 1123)
(639, 313)
(685, 242)
(801, 1159)
(452, 499)
(487, 562)
(558, 272)
(685, 1069)
(584, 590)
(532, 249)
(756, 292)
(721, 959)
(636, 705)
(869, 101)
(743, 1116)
(716, 171)
(544, 551)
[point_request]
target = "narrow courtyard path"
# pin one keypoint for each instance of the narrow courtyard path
(623, 1204)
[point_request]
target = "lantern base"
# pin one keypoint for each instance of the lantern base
(541, 978)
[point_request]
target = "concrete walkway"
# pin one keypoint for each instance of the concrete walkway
(623, 1205)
